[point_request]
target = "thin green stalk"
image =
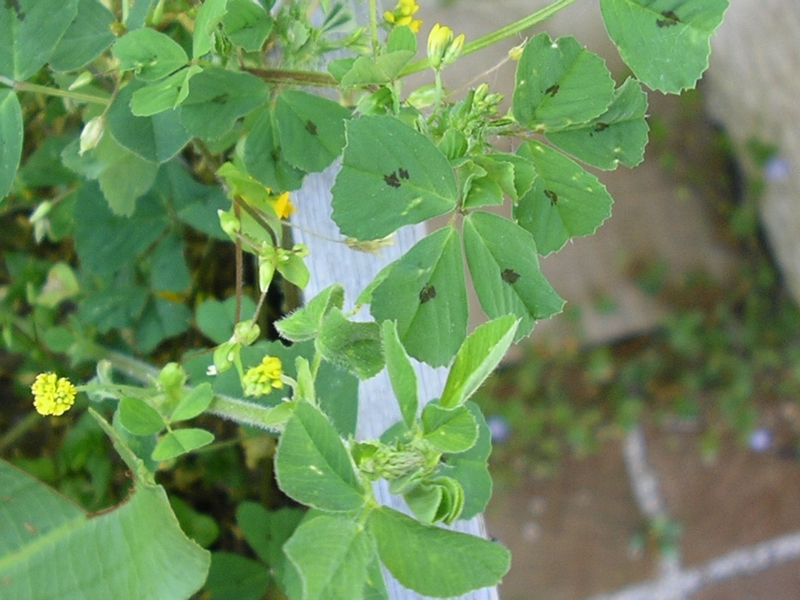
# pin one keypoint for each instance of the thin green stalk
(373, 25)
(313, 78)
(497, 35)
(240, 411)
(24, 86)
(27, 423)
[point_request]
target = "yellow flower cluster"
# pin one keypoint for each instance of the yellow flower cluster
(403, 14)
(52, 395)
(264, 377)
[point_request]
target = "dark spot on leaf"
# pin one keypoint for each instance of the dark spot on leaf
(312, 127)
(553, 197)
(392, 180)
(552, 90)
(509, 275)
(670, 19)
(600, 126)
(276, 154)
(15, 6)
(428, 292)
(220, 99)
(403, 173)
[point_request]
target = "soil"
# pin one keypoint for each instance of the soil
(571, 535)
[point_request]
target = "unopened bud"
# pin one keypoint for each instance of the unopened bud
(439, 39)
(91, 134)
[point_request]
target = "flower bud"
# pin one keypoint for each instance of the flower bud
(439, 39)
(442, 48)
(91, 134)
(453, 50)
(246, 332)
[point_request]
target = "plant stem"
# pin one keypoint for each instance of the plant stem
(497, 35)
(373, 25)
(240, 411)
(27, 423)
(314, 78)
(24, 86)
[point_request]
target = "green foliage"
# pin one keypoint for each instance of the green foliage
(43, 529)
(11, 134)
(666, 44)
(155, 135)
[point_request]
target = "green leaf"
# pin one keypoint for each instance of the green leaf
(198, 526)
(434, 561)
(46, 535)
(391, 176)
(449, 430)
(502, 259)
(150, 53)
(61, 284)
(104, 241)
(181, 441)
(193, 403)
(294, 270)
(137, 14)
(424, 501)
(216, 319)
(263, 156)
(524, 173)
(209, 15)
(138, 417)
(29, 33)
(375, 588)
(168, 269)
(234, 577)
(114, 307)
(401, 38)
(11, 132)
(355, 346)
(314, 467)
(487, 179)
(163, 95)
(86, 37)
(482, 351)
(310, 128)
(305, 322)
(196, 204)
(247, 24)
(471, 469)
(559, 83)
(666, 43)
(160, 320)
(268, 530)
(124, 177)
(331, 555)
(217, 98)
(425, 292)
(565, 200)
(367, 70)
(157, 138)
(617, 136)
(401, 373)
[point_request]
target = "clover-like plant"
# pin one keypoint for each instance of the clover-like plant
(140, 122)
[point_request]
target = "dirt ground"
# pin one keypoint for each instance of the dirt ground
(571, 535)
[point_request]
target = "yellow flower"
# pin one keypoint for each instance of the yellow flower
(264, 377)
(283, 206)
(403, 14)
(52, 395)
(442, 48)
